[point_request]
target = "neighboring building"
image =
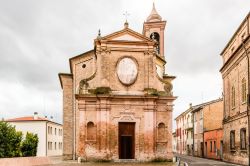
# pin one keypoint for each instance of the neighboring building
(213, 131)
(50, 133)
(201, 116)
(235, 74)
(191, 125)
(117, 99)
(198, 131)
(213, 144)
(174, 143)
(184, 132)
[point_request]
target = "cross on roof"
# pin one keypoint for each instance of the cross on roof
(126, 14)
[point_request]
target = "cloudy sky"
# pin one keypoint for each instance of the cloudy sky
(37, 37)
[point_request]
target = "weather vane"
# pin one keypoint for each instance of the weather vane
(126, 14)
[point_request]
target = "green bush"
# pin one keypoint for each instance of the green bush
(102, 90)
(151, 91)
(11, 144)
(10, 141)
(29, 145)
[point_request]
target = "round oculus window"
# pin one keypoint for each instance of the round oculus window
(127, 71)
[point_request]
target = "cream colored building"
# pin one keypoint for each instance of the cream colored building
(174, 142)
(235, 74)
(184, 132)
(50, 133)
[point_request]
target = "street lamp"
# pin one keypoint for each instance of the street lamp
(248, 98)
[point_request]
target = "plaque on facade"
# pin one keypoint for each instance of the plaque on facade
(127, 71)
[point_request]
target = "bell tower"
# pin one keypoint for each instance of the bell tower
(154, 28)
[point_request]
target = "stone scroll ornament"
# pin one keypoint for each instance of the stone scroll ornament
(168, 88)
(83, 85)
(127, 71)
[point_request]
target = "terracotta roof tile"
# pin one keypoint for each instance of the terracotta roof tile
(26, 118)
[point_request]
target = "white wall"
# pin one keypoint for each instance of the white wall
(36, 127)
(52, 137)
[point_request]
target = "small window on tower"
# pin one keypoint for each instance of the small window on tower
(156, 37)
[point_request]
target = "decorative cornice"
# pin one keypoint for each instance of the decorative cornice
(235, 117)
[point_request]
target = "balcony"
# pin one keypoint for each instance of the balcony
(189, 126)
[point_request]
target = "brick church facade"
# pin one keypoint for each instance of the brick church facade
(117, 98)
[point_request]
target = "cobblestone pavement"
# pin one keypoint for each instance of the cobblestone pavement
(113, 164)
(57, 161)
(196, 161)
(192, 161)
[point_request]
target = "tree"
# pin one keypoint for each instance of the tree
(29, 145)
(10, 140)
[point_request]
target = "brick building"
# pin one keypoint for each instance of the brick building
(117, 99)
(205, 117)
(212, 128)
(235, 74)
(192, 125)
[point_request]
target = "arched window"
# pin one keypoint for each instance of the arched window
(233, 97)
(161, 132)
(91, 131)
(156, 37)
(243, 90)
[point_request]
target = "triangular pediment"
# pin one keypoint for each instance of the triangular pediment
(127, 35)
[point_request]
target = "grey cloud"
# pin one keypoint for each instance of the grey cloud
(38, 37)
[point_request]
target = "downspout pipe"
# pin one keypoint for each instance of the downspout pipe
(248, 98)
(193, 130)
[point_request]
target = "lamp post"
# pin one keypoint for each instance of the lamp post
(248, 98)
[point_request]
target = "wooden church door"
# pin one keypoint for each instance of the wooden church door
(126, 140)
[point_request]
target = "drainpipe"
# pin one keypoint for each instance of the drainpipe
(46, 138)
(193, 130)
(248, 98)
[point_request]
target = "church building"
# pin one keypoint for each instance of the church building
(117, 98)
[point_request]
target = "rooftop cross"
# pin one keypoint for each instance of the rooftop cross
(126, 14)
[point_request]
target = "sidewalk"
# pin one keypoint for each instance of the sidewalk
(197, 161)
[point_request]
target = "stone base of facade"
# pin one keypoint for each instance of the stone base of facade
(131, 127)
(67, 157)
(145, 158)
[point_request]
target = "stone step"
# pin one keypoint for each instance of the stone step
(126, 160)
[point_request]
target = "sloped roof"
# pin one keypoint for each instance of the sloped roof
(200, 106)
(125, 31)
(28, 118)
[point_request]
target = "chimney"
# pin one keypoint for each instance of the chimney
(35, 116)
(46, 117)
(51, 118)
(190, 105)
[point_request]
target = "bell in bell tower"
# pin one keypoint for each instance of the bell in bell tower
(154, 28)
